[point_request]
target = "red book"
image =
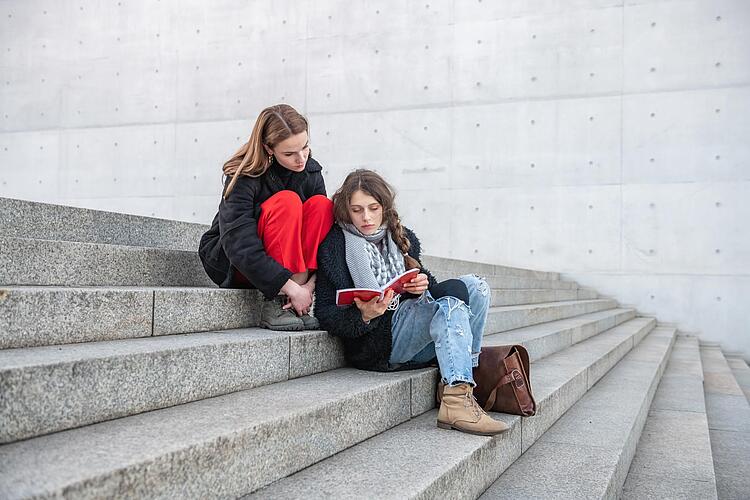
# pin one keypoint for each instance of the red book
(345, 297)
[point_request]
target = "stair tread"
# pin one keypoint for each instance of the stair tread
(585, 453)
(728, 414)
(673, 457)
(418, 459)
(51, 386)
(169, 433)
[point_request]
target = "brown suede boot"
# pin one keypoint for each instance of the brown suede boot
(459, 410)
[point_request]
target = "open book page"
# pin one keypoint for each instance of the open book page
(345, 296)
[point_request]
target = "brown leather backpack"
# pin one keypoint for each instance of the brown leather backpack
(502, 379)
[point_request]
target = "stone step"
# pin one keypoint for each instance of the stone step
(587, 453)
(673, 457)
(741, 372)
(509, 297)
(29, 219)
(512, 282)
(35, 315)
(237, 443)
(67, 263)
(456, 267)
(419, 460)
(728, 415)
(218, 447)
(548, 338)
(51, 388)
(47, 389)
(30, 261)
(504, 318)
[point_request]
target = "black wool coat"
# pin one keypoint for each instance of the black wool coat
(366, 346)
(232, 242)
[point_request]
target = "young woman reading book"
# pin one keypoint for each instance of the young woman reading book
(273, 215)
(443, 322)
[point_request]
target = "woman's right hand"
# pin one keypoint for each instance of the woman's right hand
(300, 298)
(373, 308)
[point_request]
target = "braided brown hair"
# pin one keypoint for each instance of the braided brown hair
(374, 185)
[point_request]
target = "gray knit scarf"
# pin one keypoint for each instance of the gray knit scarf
(368, 266)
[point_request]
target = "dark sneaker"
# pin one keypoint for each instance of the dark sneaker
(274, 317)
(311, 322)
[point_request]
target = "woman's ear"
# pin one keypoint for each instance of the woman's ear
(269, 151)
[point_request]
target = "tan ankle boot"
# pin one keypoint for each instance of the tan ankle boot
(459, 410)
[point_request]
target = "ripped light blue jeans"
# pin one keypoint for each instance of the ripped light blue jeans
(446, 328)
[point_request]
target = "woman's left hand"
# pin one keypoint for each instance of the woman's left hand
(418, 284)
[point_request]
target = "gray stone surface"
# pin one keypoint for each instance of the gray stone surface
(523, 282)
(566, 376)
(584, 473)
(64, 263)
(587, 452)
(509, 297)
(49, 389)
(547, 338)
(185, 310)
(418, 460)
(414, 460)
(645, 487)
(587, 293)
(730, 453)
(35, 316)
(728, 412)
(447, 268)
(728, 416)
(674, 444)
(313, 352)
(673, 457)
(501, 319)
(28, 219)
(223, 446)
(741, 373)
(423, 390)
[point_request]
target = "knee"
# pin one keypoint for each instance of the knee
(318, 204)
(319, 201)
(476, 285)
(287, 202)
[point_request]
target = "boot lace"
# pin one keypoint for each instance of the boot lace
(471, 402)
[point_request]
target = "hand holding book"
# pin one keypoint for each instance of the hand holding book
(374, 307)
(399, 284)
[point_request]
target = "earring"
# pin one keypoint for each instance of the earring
(270, 159)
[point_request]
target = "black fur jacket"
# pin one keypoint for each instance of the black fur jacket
(366, 346)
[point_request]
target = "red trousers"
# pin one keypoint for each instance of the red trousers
(291, 231)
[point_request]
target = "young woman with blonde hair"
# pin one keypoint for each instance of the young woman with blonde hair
(443, 322)
(272, 216)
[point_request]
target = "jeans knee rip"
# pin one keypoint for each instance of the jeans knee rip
(451, 304)
(482, 285)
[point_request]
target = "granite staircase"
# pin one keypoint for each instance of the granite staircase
(125, 373)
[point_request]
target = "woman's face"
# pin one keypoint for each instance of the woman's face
(292, 153)
(365, 211)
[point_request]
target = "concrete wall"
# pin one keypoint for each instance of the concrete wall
(607, 139)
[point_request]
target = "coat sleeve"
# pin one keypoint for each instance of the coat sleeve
(345, 322)
(316, 184)
(239, 239)
(319, 185)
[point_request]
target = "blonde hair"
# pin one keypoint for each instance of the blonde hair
(373, 184)
(274, 124)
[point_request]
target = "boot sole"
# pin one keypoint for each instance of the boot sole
(444, 425)
(282, 328)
